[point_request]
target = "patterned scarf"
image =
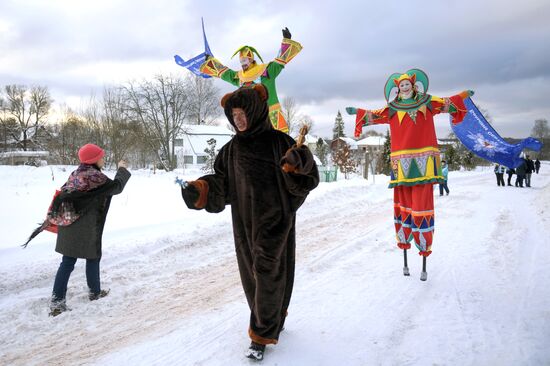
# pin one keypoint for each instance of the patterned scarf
(85, 178)
(62, 211)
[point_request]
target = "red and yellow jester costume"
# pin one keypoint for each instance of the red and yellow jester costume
(415, 159)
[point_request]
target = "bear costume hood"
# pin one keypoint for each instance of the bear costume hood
(253, 100)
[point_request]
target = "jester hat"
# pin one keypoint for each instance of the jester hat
(247, 51)
(413, 75)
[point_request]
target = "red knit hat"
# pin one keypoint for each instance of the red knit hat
(90, 154)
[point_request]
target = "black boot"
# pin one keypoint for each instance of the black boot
(57, 306)
(255, 351)
(97, 296)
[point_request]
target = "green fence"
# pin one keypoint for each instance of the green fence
(328, 174)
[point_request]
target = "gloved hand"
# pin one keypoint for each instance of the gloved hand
(351, 110)
(190, 195)
(298, 160)
(286, 33)
(466, 93)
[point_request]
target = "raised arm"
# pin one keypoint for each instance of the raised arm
(213, 67)
(453, 105)
(288, 50)
(366, 117)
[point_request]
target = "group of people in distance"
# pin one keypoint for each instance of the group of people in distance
(523, 172)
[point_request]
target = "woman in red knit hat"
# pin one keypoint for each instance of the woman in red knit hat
(79, 212)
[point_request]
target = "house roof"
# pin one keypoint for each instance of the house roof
(351, 142)
(195, 138)
(206, 130)
(311, 139)
(372, 141)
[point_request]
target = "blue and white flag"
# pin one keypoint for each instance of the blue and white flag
(194, 63)
(482, 139)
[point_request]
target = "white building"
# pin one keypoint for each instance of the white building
(371, 143)
(193, 140)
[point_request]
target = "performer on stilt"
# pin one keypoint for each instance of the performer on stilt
(254, 73)
(415, 157)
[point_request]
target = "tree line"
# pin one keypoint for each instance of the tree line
(138, 121)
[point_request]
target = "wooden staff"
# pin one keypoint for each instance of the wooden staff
(302, 136)
(287, 168)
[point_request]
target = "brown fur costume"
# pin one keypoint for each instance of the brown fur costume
(264, 201)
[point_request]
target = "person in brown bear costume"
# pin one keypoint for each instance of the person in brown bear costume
(265, 178)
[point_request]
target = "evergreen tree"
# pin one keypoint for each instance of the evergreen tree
(384, 162)
(451, 157)
(210, 156)
(338, 129)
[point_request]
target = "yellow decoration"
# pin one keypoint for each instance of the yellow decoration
(400, 115)
(252, 73)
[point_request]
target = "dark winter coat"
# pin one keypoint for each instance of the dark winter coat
(530, 166)
(264, 200)
(82, 239)
(522, 168)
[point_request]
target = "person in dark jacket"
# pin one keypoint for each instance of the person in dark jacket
(510, 172)
(529, 171)
(265, 177)
(537, 165)
(520, 173)
(79, 212)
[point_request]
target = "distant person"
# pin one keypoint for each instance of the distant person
(529, 171)
(510, 172)
(499, 172)
(445, 173)
(79, 211)
(521, 170)
(537, 165)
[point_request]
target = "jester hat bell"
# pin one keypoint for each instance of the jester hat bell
(248, 52)
(415, 76)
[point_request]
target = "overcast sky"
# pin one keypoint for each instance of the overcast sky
(500, 49)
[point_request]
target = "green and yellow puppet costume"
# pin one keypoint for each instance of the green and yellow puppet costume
(254, 73)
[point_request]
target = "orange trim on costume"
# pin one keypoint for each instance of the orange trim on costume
(202, 187)
(425, 254)
(261, 340)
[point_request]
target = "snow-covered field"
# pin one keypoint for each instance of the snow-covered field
(176, 298)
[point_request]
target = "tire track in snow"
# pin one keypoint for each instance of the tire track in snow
(153, 290)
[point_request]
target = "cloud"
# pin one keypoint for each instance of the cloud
(350, 48)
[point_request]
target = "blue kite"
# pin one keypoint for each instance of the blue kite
(194, 63)
(482, 139)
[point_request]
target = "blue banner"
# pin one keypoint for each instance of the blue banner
(194, 63)
(482, 139)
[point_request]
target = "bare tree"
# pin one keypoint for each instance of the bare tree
(120, 133)
(291, 112)
(203, 99)
(160, 106)
(71, 132)
(342, 157)
(540, 129)
(307, 121)
(29, 108)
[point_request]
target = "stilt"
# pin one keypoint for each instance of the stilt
(424, 274)
(405, 268)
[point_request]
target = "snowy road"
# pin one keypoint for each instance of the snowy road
(176, 297)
